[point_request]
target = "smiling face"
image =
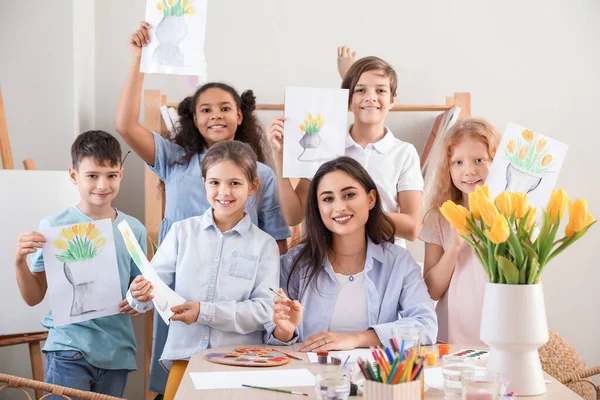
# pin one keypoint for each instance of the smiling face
(344, 204)
(217, 116)
(227, 189)
(469, 164)
(372, 98)
(98, 183)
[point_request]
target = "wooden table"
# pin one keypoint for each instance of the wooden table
(556, 391)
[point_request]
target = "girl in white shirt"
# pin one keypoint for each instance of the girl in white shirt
(221, 263)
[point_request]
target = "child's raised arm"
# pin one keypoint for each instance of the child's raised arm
(33, 285)
(292, 202)
(139, 138)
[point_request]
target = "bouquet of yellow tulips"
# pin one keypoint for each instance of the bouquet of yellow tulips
(176, 8)
(505, 235)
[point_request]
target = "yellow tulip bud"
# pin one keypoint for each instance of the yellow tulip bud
(557, 205)
(60, 244)
(99, 242)
(89, 229)
(579, 217)
(519, 204)
(484, 190)
(160, 6)
(302, 128)
(309, 115)
(546, 160)
(523, 152)
(190, 11)
(540, 145)
(93, 234)
(527, 135)
(75, 229)
(473, 205)
(82, 229)
(499, 230)
(456, 215)
(512, 146)
(321, 122)
(487, 210)
(531, 219)
(67, 233)
(504, 204)
(170, 2)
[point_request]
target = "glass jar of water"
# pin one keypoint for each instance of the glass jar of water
(452, 367)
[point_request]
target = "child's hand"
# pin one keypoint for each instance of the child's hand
(125, 308)
(275, 135)
(187, 312)
(28, 243)
(139, 39)
(326, 341)
(456, 240)
(345, 59)
(141, 289)
(287, 314)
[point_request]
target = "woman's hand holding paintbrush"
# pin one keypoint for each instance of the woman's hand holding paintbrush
(287, 315)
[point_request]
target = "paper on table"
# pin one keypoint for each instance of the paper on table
(164, 296)
(235, 379)
(354, 354)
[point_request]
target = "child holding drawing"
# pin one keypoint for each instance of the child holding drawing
(214, 113)
(392, 163)
(346, 282)
(453, 274)
(220, 262)
(95, 355)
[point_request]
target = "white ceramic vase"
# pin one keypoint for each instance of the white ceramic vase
(513, 324)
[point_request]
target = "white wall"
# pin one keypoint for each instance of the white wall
(535, 63)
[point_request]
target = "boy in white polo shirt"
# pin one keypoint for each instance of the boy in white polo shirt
(393, 164)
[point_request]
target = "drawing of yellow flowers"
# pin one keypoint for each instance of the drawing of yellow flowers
(78, 242)
(176, 8)
(527, 135)
(312, 125)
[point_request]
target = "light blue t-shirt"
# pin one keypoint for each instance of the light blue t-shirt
(106, 342)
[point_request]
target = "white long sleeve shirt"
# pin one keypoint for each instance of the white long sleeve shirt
(228, 273)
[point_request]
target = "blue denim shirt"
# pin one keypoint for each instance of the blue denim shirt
(185, 195)
(229, 273)
(394, 286)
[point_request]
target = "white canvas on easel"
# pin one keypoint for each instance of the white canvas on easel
(27, 197)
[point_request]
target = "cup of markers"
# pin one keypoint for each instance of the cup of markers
(394, 374)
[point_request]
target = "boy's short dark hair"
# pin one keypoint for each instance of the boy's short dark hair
(103, 147)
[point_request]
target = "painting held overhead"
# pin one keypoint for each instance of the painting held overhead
(82, 271)
(176, 38)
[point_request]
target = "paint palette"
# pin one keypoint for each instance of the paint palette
(470, 353)
(249, 357)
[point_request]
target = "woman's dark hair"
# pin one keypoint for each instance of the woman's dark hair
(318, 239)
(249, 131)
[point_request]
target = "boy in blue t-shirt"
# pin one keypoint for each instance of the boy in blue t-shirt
(95, 355)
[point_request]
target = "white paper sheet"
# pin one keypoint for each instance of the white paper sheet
(82, 271)
(164, 296)
(526, 162)
(176, 38)
(365, 354)
(315, 129)
(268, 378)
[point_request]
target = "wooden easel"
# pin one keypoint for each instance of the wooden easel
(155, 201)
(33, 339)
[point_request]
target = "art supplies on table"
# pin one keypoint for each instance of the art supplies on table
(275, 390)
(249, 357)
(443, 349)
(287, 355)
(470, 353)
(272, 378)
(343, 355)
